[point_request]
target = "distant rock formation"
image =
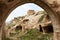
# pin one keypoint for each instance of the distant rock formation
(39, 20)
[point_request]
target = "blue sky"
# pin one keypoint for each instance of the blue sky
(22, 10)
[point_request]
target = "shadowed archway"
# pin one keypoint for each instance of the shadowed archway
(6, 6)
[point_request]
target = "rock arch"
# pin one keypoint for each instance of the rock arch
(6, 6)
(13, 4)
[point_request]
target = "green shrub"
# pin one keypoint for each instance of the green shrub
(35, 34)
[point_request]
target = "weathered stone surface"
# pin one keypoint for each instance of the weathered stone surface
(33, 20)
(51, 7)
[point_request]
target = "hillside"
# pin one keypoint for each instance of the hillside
(33, 26)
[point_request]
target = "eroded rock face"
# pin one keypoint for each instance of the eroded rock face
(34, 20)
(46, 25)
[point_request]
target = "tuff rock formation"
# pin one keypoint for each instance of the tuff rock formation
(39, 20)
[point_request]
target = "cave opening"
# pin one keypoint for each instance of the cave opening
(18, 28)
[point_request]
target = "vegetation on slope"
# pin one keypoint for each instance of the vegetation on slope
(34, 34)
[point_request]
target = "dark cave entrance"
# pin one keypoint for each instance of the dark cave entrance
(18, 28)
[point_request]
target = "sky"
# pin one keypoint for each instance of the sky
(22, 10)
